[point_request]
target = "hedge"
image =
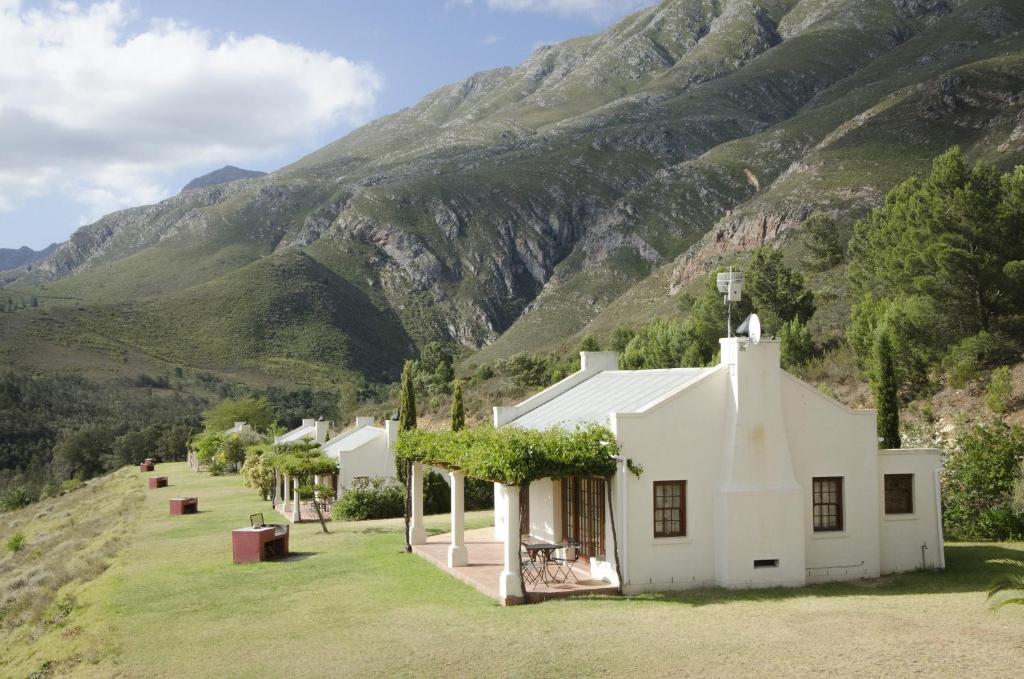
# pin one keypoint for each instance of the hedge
(514, 456)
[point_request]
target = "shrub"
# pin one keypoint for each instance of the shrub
(797, 345)
(16, 542)
(71, 485)
(16, 497)
(973, 353)
(375, 498)
(479, 494)
(1000, 391)
(978, 484)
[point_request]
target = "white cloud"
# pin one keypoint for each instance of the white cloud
(598, 10)
(490, 39)
(103, 114)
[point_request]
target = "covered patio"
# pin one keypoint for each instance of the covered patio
(505, 561)
(485, 562)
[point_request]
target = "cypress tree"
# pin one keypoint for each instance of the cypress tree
(407, 400)
(885, 386)
(458, 410)
(406, 421)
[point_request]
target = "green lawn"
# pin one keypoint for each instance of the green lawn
(173, 605)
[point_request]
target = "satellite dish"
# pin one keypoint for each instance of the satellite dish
(751, 327)
(754, 330)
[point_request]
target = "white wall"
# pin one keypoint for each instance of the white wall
(371, 459)
(829, 439)
(546, 510)
(680, 440)
(903, 534)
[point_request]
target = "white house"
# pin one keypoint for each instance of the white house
(363, 451)
(750, 478)
(313, 430)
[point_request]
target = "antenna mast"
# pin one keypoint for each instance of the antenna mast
(731, 285)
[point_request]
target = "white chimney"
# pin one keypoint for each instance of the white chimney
(321, 431)
(367, 421)
(599, 360)
(308, 422)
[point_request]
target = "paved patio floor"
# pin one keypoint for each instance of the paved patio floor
(485, 564)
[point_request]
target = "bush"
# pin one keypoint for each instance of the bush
(978, 484)
(16, 542)
(797, 345)
(16, 497)
(479, 494)
(973, 353)
(1000, 391)
(375, 498)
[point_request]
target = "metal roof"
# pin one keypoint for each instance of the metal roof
(307, 431)
(350, 440)
(591, 401)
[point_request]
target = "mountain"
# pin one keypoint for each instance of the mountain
(228, 173)
(524, 206)
(23, 256)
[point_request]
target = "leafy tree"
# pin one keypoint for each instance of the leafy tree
(232, 451)
(1000, 391)
(822, 240)
(885, 387)
(589, 343)
(256, 412)
(797, 345)
(82, 453)
(777, 291)
(458, 410)
(659, 344)
(407, 399)
(621, 335)
(978, 483)
(258, 472)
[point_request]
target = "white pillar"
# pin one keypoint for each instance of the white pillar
(296, 514)
(276, 497)
(287, 488)
(499, 508)
(509, 583)
(417, 532)
(457, 554)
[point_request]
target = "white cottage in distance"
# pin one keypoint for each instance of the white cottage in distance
(751, 478)
(311, 429)
(364, 451)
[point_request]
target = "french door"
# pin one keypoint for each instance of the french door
(583, 513)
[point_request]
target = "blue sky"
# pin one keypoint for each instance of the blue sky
(117, 103)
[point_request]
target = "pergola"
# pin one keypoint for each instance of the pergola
(290, 468)
(509, 457)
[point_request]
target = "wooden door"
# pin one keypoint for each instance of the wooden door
(583, 514)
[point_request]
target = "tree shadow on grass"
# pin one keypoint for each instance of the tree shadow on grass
(966, 571)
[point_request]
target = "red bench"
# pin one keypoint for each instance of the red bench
(157, 481)
(184, 505)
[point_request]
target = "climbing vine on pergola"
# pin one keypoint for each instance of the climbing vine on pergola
(514, 456)
(517, 457)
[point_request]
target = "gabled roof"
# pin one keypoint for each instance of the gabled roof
(296, 435)
(620, 391)
(348, 441)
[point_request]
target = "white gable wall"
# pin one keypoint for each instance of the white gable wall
(678, 440)
(828, 439)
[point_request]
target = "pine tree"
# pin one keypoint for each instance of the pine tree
(821, 238)
(458, 410)
(407, 400)
(885, 386)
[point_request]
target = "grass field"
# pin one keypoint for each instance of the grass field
(172, 605)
